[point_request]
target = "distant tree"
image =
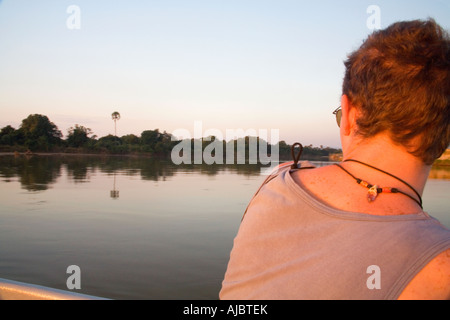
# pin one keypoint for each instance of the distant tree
(156, 142)
(39, 133)
(109, 140)
(78, 136)
(8, 135)
(130, 139)
(115, 116)
(6, 130)
(284, 150)
(150, 137)
(111, 144)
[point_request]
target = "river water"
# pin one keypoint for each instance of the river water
(136, 227)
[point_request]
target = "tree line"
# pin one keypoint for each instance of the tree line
(38, 134)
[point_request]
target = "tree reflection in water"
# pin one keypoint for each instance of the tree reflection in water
(39, 172)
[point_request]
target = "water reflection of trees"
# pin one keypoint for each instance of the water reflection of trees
(38, 172)
(34, 174)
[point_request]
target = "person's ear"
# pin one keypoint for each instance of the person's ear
(349, 116)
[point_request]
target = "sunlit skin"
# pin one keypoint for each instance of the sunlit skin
(433, 281)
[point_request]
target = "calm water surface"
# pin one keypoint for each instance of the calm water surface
(137, 228)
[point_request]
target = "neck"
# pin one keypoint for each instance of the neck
(380, 152)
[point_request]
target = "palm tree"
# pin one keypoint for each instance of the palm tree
(115, 116)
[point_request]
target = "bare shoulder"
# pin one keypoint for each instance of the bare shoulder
(432, 282)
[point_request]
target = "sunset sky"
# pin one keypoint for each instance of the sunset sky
(250, 64)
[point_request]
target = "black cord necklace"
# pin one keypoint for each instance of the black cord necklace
(374, 190)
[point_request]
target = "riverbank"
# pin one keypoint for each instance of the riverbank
(444, 163)
(82, 154)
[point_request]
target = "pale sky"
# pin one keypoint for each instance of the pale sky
(231, 64)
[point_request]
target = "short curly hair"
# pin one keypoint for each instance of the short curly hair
(399, 80)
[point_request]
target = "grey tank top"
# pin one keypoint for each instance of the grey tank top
(292, 246)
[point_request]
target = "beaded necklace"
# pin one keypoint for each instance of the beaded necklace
(374, 190)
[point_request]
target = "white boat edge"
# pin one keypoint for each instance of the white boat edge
(15, 290)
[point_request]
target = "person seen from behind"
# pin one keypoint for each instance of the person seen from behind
(357, 229)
